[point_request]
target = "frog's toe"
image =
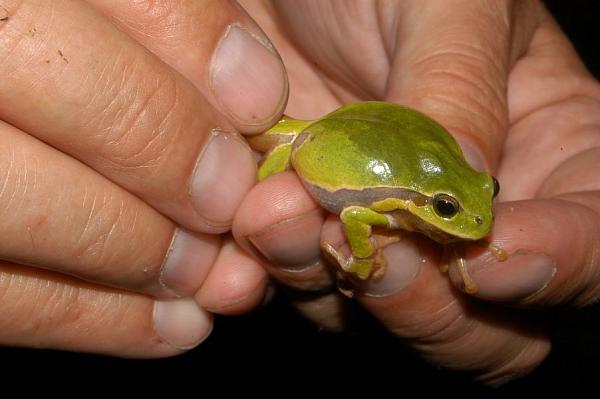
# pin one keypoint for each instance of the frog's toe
(334, 255)
(362, 268)
(379, 266)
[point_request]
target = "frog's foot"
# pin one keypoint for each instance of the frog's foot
(344, 286)
(498, 252)
(363, 268)
(461, 265)
(445, 260)
(382, 239)
(379, 265)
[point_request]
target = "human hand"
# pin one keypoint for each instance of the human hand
(114, 118)
(507, 83)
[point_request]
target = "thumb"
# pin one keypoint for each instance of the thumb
(454, 67)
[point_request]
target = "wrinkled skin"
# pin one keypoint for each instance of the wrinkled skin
(107, 105)
(509, 86)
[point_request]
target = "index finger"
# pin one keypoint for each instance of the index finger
(217, 46)
(116, 107)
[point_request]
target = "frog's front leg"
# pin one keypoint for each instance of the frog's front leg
(357, 222)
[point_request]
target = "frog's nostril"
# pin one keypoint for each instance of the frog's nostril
(478, 220)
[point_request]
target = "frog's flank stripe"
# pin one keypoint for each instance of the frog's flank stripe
(335, 201)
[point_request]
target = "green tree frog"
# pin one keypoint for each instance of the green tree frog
(385, 166)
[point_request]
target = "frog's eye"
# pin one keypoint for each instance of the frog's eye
(445, 205)
(496, 187)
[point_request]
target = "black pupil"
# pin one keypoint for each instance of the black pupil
(445, 208)
(496, 187)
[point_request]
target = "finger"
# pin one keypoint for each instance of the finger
(456, 72)
(216, 46)
(549, 72)
(551, 92)
(553, 238)
(94, 93)
(236, 284)
(60, 215)
(45, 310)
(551, 245)
(417, 303)
(284, 237)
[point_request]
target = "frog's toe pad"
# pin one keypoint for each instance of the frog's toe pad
(360, 267)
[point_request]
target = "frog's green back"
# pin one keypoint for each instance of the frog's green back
(377, 144)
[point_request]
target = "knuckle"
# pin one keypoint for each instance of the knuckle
(154, 14)
(42, 309)
(17, 179)
(100, 247)
(140, 138)
(34, 305)
(463, 76)
(60, 306)
(435, 326)
(97, 243)
(514, 365)
(102, 219)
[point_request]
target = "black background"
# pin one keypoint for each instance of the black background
(274, 351)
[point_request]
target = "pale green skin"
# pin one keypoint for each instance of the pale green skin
(381, 164)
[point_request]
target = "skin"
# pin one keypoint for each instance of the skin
(499, 75)
(508, 85)
(106, 107)
(418, 162)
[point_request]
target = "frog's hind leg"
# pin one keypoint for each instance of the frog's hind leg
(361, 268)
(276, 144)
(275, 161)
(366, 259)
(461, 265)
(445, 260)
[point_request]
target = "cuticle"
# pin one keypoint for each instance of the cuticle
(367, 294)
(239, 300)
(161, 275)
(272, 227)
(302, 268)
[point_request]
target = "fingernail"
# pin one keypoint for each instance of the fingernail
(523, 274)
(292, 245)
(225, 172)
(188, 261)
(247, 77)
(181, 323)
(404, 261)
(473, 157)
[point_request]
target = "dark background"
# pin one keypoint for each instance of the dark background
(275, 344)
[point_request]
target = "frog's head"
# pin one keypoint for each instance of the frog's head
(457, 212)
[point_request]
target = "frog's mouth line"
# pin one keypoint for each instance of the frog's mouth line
(407, 221)
(336, 201)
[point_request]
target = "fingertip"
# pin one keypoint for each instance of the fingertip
(248, 79)
(286, 197)
(181, 323)
(235, 285)
(548, 258)
(188, 261)
(224, 173)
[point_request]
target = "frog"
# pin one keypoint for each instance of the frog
(384, 167)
